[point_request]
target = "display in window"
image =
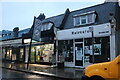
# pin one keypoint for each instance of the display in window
(87, 59)
(97, 49)
(87, 49)
(42, 53)
(78, 53)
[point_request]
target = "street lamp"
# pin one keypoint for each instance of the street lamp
(91, 30)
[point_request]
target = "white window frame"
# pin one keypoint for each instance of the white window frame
(81, 20)
(46, 26)
(85, 14)
(93, 18)
(75, 22)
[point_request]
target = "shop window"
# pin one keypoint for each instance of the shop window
(66, 50)
(33, 55)
(42, 53)
(85, 18)
(22, 54)
(101, 50)
(3, 53)
(8, 53)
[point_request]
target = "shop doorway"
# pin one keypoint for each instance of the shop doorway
(79, 54)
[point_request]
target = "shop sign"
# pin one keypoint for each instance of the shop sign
(37, 30)
(10, 42)
(39, 27)
(84, 32)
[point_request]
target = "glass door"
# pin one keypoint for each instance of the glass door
(79, 54)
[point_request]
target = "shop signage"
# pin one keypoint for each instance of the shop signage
(39, 27)
(37, 30)
(11, 42)
(84, 32)
(81, 32)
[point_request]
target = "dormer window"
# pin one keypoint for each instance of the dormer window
(85, 18)
(46, 26)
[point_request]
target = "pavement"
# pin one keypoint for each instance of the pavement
(46, 70)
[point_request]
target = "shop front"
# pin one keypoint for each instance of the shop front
(75, 45)
(6, 53)
(42, 53)
(43, 49)
(12, 50)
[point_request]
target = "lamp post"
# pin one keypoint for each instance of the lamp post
(91, 30)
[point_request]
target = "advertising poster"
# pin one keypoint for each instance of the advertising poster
(97, 49)
(87, 50)
(79, 54)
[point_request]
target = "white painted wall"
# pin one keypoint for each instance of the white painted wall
(112, 44)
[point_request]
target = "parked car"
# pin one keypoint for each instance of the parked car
(103, 71)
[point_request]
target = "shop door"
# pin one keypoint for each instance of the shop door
(79, 54)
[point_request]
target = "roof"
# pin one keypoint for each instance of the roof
(6, 34)
(24, 31)
(102, 10)
(9, 34)
(57, 20)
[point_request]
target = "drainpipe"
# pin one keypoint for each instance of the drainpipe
(93, 57)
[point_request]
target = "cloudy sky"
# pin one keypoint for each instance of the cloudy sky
(21, 13)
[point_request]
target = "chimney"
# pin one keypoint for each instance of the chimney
(15, 32)
(41, 16)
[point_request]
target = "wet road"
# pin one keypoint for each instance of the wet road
(15, 75)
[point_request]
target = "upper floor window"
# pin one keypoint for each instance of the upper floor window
(46, 26)
(85, 18)
(77, 20)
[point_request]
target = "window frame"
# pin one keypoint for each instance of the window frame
(75, 21)
(86, 15)
(83, 18)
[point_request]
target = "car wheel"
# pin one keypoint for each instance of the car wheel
(96, 78)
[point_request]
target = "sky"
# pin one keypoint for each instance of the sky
(21, 13)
